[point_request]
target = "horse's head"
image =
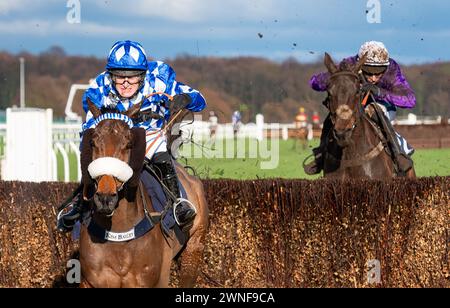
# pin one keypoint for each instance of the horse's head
(344, 98)
(114, 140)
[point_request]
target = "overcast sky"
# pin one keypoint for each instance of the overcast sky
(413, 31)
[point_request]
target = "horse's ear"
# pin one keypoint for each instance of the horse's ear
(134, 110)
(360, 63)
(329, 63)
(93, 109)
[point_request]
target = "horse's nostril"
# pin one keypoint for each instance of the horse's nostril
(338, 134)
(108, 198)
(106, 201)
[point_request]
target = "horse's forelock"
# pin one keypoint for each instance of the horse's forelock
(111, 125)
(345, 66)
(346, 87)
(109, 109)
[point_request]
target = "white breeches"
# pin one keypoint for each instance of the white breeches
(391, 115)
(156, 142)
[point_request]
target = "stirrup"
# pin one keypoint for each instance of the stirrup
(62, 226)
(313, 167)
(177, 203)
(75, 213)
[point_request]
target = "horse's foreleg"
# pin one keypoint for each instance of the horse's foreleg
(191, 259)
(164, 277)
(411, 174)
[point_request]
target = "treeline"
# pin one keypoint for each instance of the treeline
(253, 85)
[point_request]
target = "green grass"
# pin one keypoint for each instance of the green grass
(72, 166)
(2, 145)
(432, 162)
(429, 162)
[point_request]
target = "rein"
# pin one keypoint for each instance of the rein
(361, 159)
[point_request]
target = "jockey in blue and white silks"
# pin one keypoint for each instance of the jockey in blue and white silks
(159, 77)
(130, 79)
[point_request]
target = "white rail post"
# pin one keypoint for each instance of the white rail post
(77, 153)
(284, 132)
(53, 166)
(61, 149)
(70, 115)
(260, 127)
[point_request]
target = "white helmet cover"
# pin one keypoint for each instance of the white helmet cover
(377, 54)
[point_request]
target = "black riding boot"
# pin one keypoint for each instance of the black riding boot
(68, 220)
(316, 166)
(184, 212)
(401, 159)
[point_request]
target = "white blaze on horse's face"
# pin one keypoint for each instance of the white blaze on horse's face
(344, 112)
(344, 125)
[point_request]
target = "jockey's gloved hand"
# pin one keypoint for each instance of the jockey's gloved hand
(179, 102)
(374, 89)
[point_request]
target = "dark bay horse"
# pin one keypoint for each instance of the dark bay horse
(356, 146)
(118, 207)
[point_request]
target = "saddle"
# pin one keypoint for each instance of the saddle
(155, 190)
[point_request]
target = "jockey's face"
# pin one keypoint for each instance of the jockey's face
(373, 78)
(127, 86)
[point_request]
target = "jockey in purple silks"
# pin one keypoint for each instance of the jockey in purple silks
(383, 78)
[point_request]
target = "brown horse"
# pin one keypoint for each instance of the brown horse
(356, 146)
(300, 135)
(118, 207)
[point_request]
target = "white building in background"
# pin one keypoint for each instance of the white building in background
(29, 143)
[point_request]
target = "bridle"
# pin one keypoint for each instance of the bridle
(97, 169)
(358, 98)
(131, 124)
(376, 150)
